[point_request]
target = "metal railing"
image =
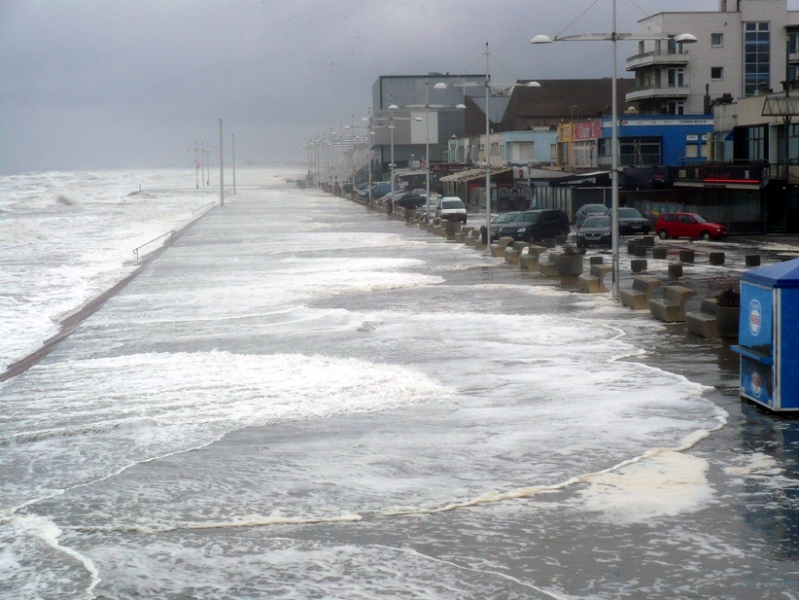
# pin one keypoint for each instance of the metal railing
(171, 235)
(210, 205)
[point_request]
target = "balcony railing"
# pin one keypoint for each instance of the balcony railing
(648, 59)
(656, 91)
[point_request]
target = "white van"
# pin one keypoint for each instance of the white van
(450, 208)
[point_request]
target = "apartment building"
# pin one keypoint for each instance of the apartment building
(745, 48)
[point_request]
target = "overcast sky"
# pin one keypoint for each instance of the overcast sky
(113, 83)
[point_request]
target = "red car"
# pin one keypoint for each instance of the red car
(689, 225)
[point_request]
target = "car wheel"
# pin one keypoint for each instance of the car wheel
(663, 234)
(706, 236)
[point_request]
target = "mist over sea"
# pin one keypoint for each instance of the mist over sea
(304, 399)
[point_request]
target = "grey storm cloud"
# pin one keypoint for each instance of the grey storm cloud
(99, 83)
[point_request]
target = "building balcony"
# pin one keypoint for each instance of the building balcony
(657, 92)
(651, 59)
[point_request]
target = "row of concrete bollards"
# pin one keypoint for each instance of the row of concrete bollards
(567, 264)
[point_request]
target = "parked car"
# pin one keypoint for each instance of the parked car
(690, 225)
(450, 208)
(421, 192)
(536, 225)
(586, 210)
(378, 190)
(496, 223)
(409, 200)
(631, 222)
(594, 230)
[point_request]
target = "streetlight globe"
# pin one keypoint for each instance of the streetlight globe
(541, 39)
(533, 84)
(440, 86)
(460, 106)
(392, 107)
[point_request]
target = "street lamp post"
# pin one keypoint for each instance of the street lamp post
(392, 108)
(613, 37)
(369, 149)
(487, 149)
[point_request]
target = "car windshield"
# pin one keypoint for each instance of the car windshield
(528, 217)
(629, 213)
(505, 217)
(699, 218)
(452, 204)
(597, 222)
(594, 208)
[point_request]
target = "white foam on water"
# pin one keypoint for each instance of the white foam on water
(34, 564)
(246, 566)
(69, 423)
(67, 237)
(667, 484)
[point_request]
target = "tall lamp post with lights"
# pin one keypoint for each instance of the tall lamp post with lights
(613, 37)
(427, 106)
(487, 149)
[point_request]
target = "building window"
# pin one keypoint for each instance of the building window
(717, 40)
(793, 144)
(716, 73)
(675, 77)
(756, 142)
(553, 152)
(757, 50)
(675, 107)
(793, 42)
(640, 151)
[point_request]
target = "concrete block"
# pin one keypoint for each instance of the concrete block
(596, 260)
(660, 253)
(638, 265)
(716, 258)
(687, 256)
(752, 260)
(649, 241)
(640, 250)
(637, 298)
(675, 270)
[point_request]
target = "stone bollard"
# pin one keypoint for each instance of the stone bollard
(451, 228)
(752, 260)
(640, 250)
(716, 258)
(675, 270)
(569, 267)
(596, 260)
(631, 246)
(638, 265)
(660, 253)
(529, 260)
(649, 241)
(686, 256)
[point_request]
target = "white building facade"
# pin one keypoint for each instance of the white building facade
(746, 48)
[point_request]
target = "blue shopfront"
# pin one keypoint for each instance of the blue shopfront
(646, 140)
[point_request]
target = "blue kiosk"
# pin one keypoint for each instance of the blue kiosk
(768, 337)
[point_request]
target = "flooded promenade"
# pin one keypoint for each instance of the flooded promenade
(304, 398)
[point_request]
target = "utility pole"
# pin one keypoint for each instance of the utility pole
(221, 168)
(196, 165)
